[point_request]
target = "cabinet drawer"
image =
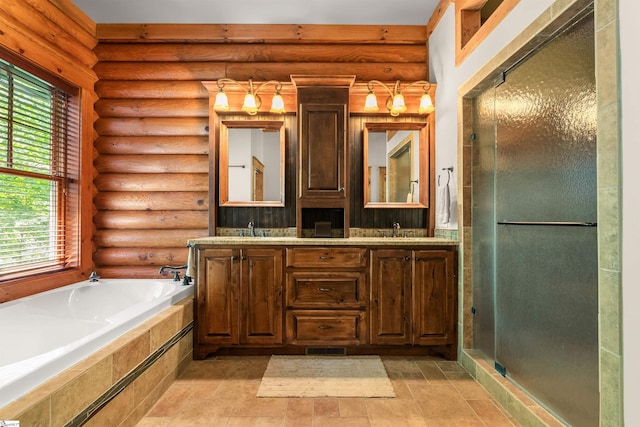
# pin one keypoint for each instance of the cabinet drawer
(327, 257)
(314, 289)
(317, 327)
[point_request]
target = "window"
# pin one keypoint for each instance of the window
(38, 175)
(475, 19)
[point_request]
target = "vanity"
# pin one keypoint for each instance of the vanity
(321, 231)
(290, 295)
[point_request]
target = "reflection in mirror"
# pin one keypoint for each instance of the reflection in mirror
(252, 163)
(395, 165)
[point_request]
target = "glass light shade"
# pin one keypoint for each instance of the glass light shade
(371, 102)
(222, 102)
(426, 106)
(250, 105)
(398, 105)
(277, 104)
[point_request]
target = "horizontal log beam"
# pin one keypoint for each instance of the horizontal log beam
(154, 163)
(122, 89)
(160, 70)
(262, 33)
(363, 72)
(146, 238)
(37, 20)
(257, 70)
(178, 126)
(152, 201)
(233, 52)
(152, 144)
(145, 220)
(130, 272)
(151, 182)
(158, 107)
(140, 256)
(22, 42)
(73, 19)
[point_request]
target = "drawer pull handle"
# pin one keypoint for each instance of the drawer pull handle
(326, 257)
(326, 289)
(325, 327)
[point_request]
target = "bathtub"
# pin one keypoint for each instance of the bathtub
(46, 333)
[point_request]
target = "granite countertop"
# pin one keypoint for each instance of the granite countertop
(302, 241)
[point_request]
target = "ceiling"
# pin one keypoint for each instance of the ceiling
(356, 12)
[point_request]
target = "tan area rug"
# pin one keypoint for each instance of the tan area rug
(325, 376)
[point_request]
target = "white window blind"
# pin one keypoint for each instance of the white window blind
(37, 170)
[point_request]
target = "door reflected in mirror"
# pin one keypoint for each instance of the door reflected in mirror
(395, 165)
(252, 163)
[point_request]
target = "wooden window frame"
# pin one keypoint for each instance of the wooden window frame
(77, 213)
(470, 32)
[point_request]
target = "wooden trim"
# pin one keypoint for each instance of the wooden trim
(437, 15)
(262, 33)
(470, 32)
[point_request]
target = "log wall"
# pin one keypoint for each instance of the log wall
(152, 131)
(56, 37)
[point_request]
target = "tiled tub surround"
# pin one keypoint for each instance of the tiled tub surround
(121, 380)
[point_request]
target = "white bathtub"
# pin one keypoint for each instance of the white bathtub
(43, 334)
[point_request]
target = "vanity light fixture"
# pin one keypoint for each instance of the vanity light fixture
(252, 100)
(395, 102)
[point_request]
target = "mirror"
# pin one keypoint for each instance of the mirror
(252, 160)
(395, 165)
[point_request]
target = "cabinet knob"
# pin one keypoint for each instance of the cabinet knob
(406, 258)
(325, 289)
(325, 327)
(326, 257)
(341, 189)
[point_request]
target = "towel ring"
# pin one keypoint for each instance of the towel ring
(449, 172)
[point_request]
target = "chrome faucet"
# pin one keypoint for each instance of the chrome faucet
(252, 229)
(395, 229)
(173, 270)
(93, 277)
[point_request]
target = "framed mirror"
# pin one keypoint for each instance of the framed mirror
(395, 165)
(251, 163)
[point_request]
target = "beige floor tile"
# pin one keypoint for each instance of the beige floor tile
(326, 407)
(490, 413)
(298, 421)
(353, 407)
(222, 392)
(260, 407)
(341, 422)
(299, 408)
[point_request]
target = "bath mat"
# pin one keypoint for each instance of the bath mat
(325, 376)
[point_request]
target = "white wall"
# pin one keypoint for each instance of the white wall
(630, 69)
(443, 71)
(449, 77)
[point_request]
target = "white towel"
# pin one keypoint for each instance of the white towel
(191, 263)
(444, 198)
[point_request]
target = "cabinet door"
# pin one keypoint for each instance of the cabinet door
(261, 287)
(390, 296)
(323, 146)
(434, 297)
(217, 297)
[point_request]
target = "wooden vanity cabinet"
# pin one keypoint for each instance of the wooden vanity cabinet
(238, 298)
(288, 298)
(413, 298)
(326, 296)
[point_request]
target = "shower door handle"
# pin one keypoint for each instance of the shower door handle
(551, 223)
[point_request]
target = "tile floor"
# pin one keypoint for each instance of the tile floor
(222, 392)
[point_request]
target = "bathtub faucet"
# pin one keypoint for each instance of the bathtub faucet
(174, 270)
(93, 277)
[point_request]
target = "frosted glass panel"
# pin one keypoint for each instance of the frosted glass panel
(547, 316)
(546, 277)
(535, 286)
(484, 222)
